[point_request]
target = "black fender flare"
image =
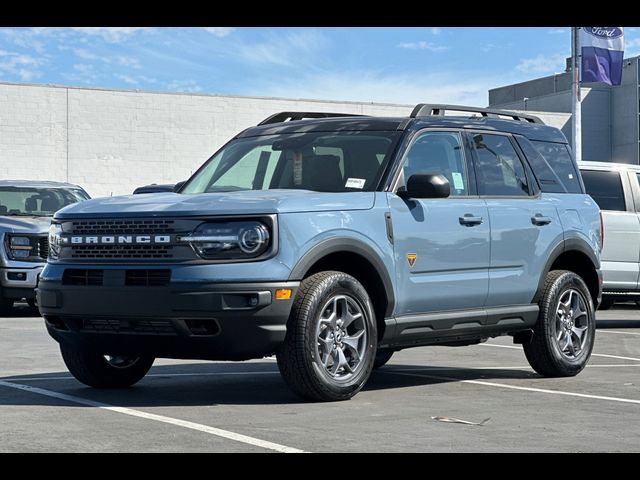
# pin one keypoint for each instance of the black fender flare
(351, 245)
(567, 245)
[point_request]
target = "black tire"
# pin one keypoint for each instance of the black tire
(382, 357)
(544, 352)
(96, 371)
(6, 306)
(31, 302)
(606, 303)
(299, 358)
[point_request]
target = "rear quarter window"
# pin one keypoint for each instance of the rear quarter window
(605, 188)
(553, 166)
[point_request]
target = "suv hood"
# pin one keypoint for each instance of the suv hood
(19, 224)
(227, 203)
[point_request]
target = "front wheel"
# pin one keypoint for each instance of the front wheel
(105, 371)
(564, 335)
(331, 338)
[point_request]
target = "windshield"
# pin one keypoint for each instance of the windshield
(37, 202)
(319, 161)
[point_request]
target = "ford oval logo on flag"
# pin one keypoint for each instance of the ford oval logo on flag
(604, 32)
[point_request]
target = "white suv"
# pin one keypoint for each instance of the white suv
(615, 188)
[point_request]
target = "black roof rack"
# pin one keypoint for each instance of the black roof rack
(428, 109)
(289, 116)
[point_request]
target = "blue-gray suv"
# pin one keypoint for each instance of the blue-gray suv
(333, 241)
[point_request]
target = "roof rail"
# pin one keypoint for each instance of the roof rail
(428, 109)
(289, 116)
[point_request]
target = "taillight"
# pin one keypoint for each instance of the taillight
(601, 231)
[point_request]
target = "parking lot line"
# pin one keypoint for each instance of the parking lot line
(158, 418)
(593, 354)
(515, 387)
(192, 374)
(619, 333)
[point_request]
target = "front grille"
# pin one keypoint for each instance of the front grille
(75, 276)
(112, 325)
(118, 227)
(147, 278)
(122, 251)
(43, 247)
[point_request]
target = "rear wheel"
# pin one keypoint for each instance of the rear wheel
(331, 339)
(564, 335)
(105, 371)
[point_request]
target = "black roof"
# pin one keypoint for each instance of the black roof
(532, 131)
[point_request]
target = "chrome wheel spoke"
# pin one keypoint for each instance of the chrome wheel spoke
(341, 334)
(352, 341)
(572, 323)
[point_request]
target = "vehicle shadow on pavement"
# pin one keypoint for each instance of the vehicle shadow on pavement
(22, 311)
(604, 324)
(210, 384)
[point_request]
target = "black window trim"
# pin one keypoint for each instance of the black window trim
(400, 159)
(533, 189)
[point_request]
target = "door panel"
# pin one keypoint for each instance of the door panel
(524, 223)
(520, 247)
(450, 270)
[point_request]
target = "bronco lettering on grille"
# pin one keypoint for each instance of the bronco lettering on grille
(119, 239)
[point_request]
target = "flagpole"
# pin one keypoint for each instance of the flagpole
(576, 110)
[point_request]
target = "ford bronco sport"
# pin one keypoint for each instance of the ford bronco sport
(333, 241)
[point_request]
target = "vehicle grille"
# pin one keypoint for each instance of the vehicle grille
(112, 325)
(126, 226)
(122, 251)
(73, 276)
(129, 278)
(43, 247)
(147, 278)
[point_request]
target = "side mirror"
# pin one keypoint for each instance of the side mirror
(178, 186)
(426, 185)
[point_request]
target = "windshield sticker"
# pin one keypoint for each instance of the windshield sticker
(458, 184)
(355, 183)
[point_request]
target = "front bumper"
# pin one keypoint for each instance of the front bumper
(190, 320)
(19, 282)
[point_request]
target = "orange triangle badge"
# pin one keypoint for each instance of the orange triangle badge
(411, 258)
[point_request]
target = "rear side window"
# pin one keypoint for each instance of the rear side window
(605, 188)
(557, 158)
(499, 169)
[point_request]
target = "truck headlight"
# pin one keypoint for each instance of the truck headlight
(18, 248)
(55, 240)
(232, 240)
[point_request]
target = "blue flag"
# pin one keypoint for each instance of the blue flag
(602, 54)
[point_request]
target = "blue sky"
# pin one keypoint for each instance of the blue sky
(399, 65)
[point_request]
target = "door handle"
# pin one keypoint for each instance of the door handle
(540, 220)
(470, 220)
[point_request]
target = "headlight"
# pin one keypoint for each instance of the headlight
(55, 240)
(233, 240)
(18, 248)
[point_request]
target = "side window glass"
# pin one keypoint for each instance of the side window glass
(439, 153)
(500, 171)
(605, 188)
(558, 157)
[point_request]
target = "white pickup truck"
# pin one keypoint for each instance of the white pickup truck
(616, 189)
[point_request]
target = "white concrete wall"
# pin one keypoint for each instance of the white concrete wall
(112, 141)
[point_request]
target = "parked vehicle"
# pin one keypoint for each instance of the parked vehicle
(334, 242)
(615, 188)
(155, 188)
(26, 208)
